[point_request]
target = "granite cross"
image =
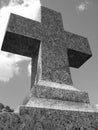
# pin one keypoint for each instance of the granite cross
(52, 49)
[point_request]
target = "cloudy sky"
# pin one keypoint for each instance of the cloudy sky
(80, 17)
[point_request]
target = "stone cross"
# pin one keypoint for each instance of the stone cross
(52, 49)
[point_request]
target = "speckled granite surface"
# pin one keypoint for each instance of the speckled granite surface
(50, 119)
(60, 94)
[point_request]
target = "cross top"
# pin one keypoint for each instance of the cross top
(52, 49)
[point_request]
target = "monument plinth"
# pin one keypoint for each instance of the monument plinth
(54, 104)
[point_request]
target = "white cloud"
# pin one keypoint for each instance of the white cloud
(83, 6)
(29, 9)
(8, 67)
(9, 62)
(4, 3)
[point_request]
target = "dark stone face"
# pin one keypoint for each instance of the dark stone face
(14, 42)
(59, 49)
(76, 58)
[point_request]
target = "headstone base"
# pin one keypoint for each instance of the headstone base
(54, 119)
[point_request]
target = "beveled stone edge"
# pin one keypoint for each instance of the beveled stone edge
(59, 105)
(48, 92)
(56, 85)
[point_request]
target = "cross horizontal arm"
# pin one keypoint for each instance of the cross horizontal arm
(78, 49)
(24, 26)
(22, 36)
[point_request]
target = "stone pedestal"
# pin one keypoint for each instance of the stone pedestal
(52, 108)
(55, 115)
